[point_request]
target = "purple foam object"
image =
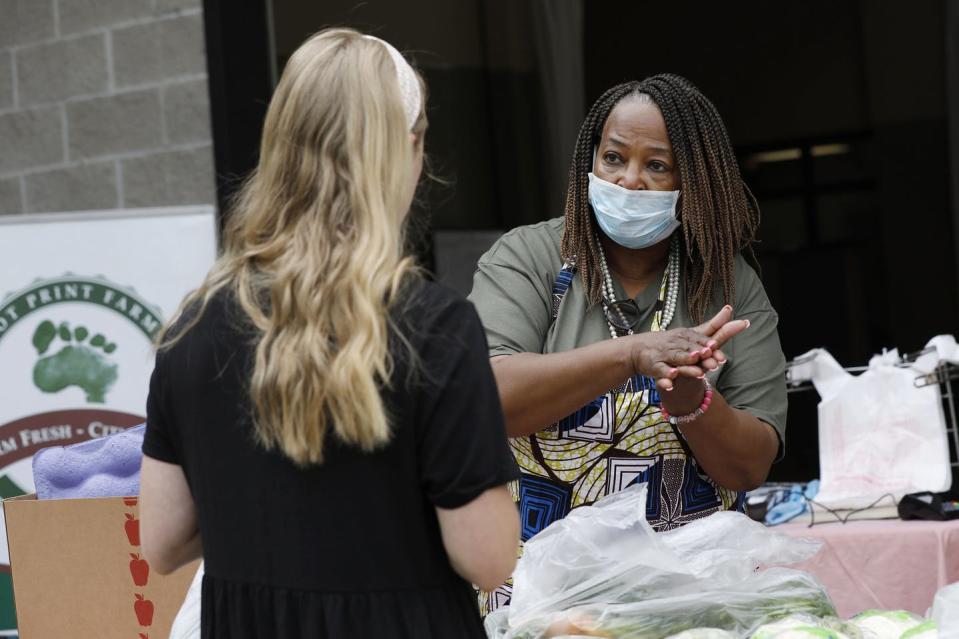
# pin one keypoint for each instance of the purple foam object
(104, 467)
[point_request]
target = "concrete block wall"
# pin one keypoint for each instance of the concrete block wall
(103, 104)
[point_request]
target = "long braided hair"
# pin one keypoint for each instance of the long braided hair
(719, 214)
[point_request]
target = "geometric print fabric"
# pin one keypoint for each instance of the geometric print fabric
(617, 439)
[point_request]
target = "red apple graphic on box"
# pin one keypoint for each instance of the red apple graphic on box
(144, 610)
(132, 526)
(130, 501)
(143, 636)
(140, 570)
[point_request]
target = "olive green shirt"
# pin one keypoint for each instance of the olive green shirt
(512, 290)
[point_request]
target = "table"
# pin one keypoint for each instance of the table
(889, 564)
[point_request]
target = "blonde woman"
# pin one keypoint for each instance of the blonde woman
(323, 425)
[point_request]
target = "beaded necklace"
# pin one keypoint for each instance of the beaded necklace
(668, 291)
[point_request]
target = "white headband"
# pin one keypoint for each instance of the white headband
(409, 85)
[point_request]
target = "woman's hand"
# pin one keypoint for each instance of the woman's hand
(685, 352)
(684, 393)
(721, 328)
(668, 354)
(537, 390)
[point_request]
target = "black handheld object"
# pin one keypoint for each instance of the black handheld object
(929, 506)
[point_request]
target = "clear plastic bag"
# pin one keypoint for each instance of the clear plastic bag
(738, 608)
(602, 570)
(704, 633)
(945, 611)
(596, 554)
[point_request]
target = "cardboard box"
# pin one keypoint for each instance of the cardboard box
(78, 571)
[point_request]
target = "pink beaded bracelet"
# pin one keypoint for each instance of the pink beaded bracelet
(685, 419)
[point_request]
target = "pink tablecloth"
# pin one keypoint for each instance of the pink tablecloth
(889, 565)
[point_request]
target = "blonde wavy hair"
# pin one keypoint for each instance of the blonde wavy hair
(314, 248)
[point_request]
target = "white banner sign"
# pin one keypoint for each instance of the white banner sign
(82, 295)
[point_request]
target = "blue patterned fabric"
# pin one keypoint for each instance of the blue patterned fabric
(541, 502)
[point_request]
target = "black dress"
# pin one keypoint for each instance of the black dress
(350, 548)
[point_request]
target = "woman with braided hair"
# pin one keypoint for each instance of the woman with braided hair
(630, 340)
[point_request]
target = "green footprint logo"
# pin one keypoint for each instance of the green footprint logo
(78, 363)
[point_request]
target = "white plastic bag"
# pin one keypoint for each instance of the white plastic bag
(603, 569)
(704, 633)
(727, 547)
(878, 433)
(608, 552)
(738, 608)
(186, 625)
(596, 553)
(945, 611)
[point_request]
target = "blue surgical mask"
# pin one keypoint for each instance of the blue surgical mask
(634, 219)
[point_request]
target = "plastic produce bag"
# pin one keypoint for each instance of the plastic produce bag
(704, 633)
(496, 623)
(738, 608)
(596, 553)
(945, 611)
(727, 547)
(608, 553)
(603, 571)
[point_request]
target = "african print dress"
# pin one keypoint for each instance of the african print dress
(618, 439)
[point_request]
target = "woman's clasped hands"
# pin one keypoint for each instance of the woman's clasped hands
(669, 357)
